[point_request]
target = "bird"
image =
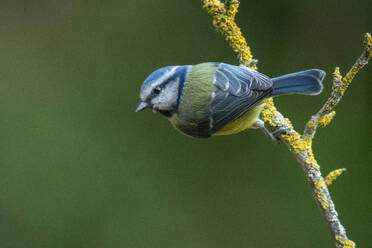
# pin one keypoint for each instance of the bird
(213, 98)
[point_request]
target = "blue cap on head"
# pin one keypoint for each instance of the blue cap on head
(156, 75)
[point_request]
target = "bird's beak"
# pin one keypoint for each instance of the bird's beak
(142, 106)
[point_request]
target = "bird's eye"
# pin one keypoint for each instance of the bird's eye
(157, 90)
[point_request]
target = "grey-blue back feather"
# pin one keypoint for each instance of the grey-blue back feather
(307, 82)
(239, 89)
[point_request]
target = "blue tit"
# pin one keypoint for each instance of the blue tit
(211, 99)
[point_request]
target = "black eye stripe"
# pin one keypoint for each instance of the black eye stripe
(157, 90)
(167, 113)
(160, 87)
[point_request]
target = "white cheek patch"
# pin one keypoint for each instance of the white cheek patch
(167, 99)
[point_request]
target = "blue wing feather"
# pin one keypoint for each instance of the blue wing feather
(239, 89)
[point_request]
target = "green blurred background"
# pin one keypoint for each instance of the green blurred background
(79, 168)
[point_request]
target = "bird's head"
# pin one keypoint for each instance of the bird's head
(162, 90)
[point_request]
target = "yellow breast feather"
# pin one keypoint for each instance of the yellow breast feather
(247, 120)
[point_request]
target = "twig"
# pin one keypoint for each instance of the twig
(340, 85)
(224, 21)
(333, 175)
(299, 145)
(301, 149)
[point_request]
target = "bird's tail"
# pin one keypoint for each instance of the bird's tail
(304, 82)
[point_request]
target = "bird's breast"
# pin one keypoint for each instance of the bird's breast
(191, 127)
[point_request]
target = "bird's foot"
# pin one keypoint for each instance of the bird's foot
(274, 136)
(252, 63)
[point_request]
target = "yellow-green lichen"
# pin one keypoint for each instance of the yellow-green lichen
(337, 75)
(326, 119)
(369, 45)
(214, 7)
(269, 113)
(348, 78)
(304, 144)
(331, 104)
(332, 176)
(312, 160)
(288, 122)
(320, 184)
(311, 125)
(224, 22)
(321, 198)
(345, 242)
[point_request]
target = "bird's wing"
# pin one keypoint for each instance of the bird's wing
(239, 89)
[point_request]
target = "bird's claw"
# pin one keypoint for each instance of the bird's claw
(274, 135)
(252, 63)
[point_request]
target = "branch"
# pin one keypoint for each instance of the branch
(333, 175)
(340, 85)
(301, 149)
(299, 145)
(224, 21)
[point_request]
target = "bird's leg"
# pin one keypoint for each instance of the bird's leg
(271, 135)
(253, 62)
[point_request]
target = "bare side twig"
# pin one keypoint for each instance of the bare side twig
(300, 146)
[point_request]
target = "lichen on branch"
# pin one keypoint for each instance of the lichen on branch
(340, 85)
(224, 21)
(333, 175)
(300, 146)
